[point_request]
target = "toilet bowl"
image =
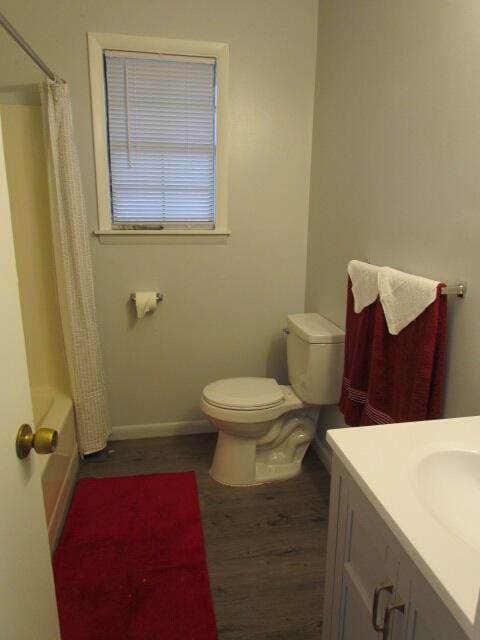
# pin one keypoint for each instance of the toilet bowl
(257, 442)
(265, 428)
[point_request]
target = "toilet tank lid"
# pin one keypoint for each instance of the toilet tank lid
(314, 328)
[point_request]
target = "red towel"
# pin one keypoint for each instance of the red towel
(358, 348)
(394, 378)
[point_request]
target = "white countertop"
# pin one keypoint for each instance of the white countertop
(382, 459)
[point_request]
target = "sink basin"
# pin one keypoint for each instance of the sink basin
(448, 483)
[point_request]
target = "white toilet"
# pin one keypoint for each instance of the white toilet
(265, 428)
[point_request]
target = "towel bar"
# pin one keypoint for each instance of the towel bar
(459, 289)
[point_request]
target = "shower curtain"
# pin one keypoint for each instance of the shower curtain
(74, 270)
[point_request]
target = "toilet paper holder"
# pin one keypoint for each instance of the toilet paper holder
(133, 297)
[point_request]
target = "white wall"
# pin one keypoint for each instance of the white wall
(225, 304)
(396, 160)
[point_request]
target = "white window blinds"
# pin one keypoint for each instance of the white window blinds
(161, 135)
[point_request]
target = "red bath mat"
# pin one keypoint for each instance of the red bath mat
(130, 564)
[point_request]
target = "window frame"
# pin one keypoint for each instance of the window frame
(97, 43)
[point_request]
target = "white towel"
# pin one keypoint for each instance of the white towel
(403, 297)
(364, 279)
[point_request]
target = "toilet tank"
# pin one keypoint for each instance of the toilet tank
(315, 349)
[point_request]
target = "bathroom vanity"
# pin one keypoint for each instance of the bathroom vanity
(403, 557)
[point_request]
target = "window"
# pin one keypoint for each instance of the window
(159, 128)
(161, 139)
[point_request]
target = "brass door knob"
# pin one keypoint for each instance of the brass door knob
(43, 441)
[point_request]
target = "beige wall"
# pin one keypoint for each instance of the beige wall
(396, 160)
(225, 304)
(27, 185)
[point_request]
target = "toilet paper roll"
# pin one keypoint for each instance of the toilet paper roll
(145, 301)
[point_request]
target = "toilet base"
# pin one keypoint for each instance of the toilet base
(272, 473)
(277, 455)
(264, 474)
(234, 460)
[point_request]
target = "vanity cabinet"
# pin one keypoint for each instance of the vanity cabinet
(374, 591)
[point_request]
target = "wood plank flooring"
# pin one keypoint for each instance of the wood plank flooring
(265, 545)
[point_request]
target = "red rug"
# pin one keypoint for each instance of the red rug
(130, 564)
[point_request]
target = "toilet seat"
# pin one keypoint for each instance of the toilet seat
(290, 402)
(244, 394)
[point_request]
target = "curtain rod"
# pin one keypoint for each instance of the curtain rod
(9, 28)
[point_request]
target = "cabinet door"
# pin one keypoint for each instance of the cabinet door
(367, 566)
(425, 616)
(363, 562)
(355, 622)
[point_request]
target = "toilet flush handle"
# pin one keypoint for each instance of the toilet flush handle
(286, 331)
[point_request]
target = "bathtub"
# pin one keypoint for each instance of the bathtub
(58, 470)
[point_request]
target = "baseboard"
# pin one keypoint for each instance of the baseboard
(62, 505)
(160, 430)
(323, 453)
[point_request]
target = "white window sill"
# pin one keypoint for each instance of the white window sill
(161, 236)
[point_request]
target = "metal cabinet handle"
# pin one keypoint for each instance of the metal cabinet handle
(397, 605)
(385, 586)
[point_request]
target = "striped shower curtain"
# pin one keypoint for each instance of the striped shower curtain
(74, 270)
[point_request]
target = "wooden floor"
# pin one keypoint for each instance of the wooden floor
(265, 545)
